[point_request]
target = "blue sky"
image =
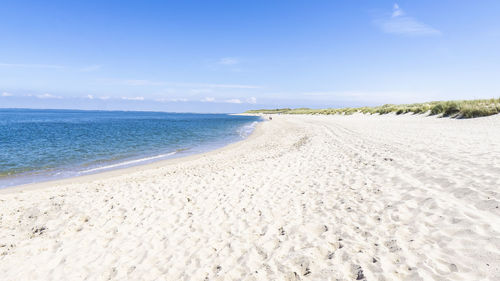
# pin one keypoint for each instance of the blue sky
(229, 56)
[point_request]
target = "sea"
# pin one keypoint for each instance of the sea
(41, 145)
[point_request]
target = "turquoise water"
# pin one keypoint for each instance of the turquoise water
(37, 145)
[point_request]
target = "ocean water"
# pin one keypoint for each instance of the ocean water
(39, 145)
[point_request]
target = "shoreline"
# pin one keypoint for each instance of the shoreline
(77, 143)
(125, 170)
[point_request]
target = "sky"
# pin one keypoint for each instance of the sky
(230, 56)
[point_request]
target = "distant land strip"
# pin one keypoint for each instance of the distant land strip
(454, 109)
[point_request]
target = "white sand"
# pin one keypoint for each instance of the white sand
(305, 198)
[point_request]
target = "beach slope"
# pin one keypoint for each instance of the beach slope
(304, 198)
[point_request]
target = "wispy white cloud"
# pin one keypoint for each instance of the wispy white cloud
(48, 96)
(90, 97)
(133, 98)
(90, 68)
(180, 99)
(172, 100)
(208, 99)
(400, 23)
(228, 61)
(5, 94)
(20, 65)
(396, 11)
(251, 100)
(233, 101)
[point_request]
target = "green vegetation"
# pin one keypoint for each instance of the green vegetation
(456, 109)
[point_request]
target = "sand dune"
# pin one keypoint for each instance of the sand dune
(304, 198)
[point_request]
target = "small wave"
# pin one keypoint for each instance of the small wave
(246, 130)
(129, 162)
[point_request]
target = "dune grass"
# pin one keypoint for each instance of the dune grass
(455, 109)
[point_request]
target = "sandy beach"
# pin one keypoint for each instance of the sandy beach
(304, 198)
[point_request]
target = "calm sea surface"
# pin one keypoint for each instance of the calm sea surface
(37, 145)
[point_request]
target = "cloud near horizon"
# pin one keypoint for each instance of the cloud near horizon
(174, 100)
(48, 96)
(251, 100)
(208, 99)
(133, 98)
(233, 101)
(400, 23)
